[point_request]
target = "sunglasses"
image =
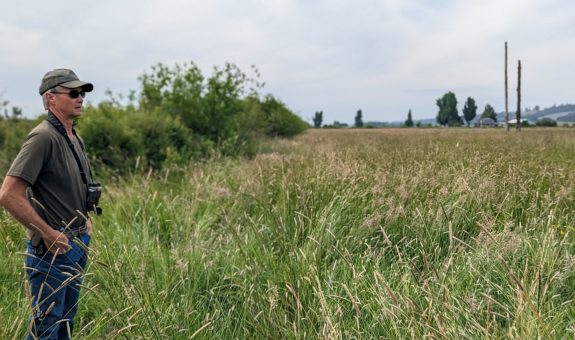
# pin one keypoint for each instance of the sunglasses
(72, 94)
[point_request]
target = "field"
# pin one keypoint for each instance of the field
(336, 234)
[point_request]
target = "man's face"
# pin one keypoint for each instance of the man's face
(64, 103)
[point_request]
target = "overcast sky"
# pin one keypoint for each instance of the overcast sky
(384, 57)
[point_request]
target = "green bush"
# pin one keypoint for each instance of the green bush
(163, 137)
(110, 139)
(13, 132)
(122, 138)
(176, 91)
(546, 122)
(181, 115)
(281, 121)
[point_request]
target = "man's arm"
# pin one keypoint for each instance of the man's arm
(13, 198)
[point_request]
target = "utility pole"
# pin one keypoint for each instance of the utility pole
(506, 95)
(518, 114)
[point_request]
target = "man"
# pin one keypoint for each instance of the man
(49, 190)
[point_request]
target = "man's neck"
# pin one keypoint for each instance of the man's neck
(66, 121)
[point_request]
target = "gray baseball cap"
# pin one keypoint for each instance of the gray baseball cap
(63, 77)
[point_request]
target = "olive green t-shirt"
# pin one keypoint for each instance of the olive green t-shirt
(47, 163)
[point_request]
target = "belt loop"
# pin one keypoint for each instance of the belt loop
(76, 232)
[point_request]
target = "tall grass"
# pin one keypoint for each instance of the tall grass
(336, 234)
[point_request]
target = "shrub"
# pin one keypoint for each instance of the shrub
(110, 139)
(281, 121)
(13, 132)
(546, 122)
(182, 115)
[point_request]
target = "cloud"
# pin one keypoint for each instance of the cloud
(338, 56)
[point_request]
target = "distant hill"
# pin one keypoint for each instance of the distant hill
(564, 113)
(568, 118)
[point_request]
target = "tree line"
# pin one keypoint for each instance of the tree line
(447, 114)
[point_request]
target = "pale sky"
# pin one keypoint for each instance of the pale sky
(384, 57)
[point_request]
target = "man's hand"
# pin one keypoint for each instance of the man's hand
(56, 241)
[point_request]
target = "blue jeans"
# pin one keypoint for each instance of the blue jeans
(55, 288)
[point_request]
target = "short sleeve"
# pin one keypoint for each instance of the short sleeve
(33, 155)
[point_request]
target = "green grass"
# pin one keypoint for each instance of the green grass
(394, 234)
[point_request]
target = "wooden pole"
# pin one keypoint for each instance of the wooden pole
(506, 94)
(518, 114)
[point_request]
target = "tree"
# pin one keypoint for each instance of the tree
(469, 110)
(358, 119)
(179, 92)
(489, 112)
(447, 114)
(318, 119)
(409, 121)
